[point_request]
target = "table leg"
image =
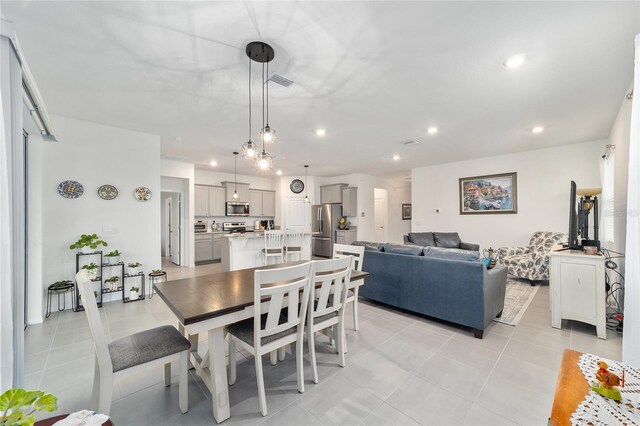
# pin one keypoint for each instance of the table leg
(193, 338)
(218, 368)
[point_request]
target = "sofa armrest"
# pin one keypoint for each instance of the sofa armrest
(469, 246)
(495, 285)
(406, 239)
(501, 252)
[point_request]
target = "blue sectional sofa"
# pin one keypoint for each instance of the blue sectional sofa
(449, 284)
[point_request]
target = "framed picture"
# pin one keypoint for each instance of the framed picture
(406, 212)
(489, 194)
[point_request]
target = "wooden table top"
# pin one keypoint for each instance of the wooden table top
(571, 389)
(200, 298)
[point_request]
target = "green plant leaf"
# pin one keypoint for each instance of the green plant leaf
(46, 402)
(11, 398)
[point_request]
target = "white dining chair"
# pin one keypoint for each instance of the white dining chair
(357, 254)
(329, 282)
(280, 326)
(293, 244)
(273, 246)
(129, 355)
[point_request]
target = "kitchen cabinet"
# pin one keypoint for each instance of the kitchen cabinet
(350, 201)
(217, 246)
(577, 289)
(346, 236)
(201, 201)
(243, 191)
(203, 248)
(262, 203)
(216, 201)
(331, 193)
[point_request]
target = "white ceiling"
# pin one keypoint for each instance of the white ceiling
(373, 74)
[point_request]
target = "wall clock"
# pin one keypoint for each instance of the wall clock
(108, 192)
(297, 186)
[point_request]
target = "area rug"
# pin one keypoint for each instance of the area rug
(518, 296)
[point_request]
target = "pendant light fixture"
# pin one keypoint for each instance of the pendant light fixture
(263, 53)
(306, 186)
(249, 149)
(235, 175)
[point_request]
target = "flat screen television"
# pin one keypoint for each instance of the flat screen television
(572, 243)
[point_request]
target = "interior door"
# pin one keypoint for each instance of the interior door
(380, 213)
(298, 215)
(174, 229)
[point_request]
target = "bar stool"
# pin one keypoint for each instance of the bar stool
(156, 277)
(61, 288)
(293, 245)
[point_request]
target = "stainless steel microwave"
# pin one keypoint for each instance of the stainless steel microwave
(237, 209)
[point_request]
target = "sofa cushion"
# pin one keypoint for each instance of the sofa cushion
(450, 253)
(368, 245)
(446, 239)
(422, 239)
(410, 250)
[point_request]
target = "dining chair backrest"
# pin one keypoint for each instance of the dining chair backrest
(273, 239)
(329, 277)
(100, 339)
(293, 239)
(282, 287)
(357, 252)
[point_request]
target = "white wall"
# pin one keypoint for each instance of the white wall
(543, 193)
(179, 176)
(95, 154)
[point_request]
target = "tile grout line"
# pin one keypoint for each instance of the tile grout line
(44, 367)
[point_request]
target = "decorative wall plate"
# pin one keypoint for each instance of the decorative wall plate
(142, 193)
(297, 186)
(108, 192)
(70, 189)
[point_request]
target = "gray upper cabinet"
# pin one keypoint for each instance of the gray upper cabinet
(216, 201)
(262, 203)
(350, 201)
(201, 202)
(331, 193)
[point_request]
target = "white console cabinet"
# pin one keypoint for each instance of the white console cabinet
(577, 289)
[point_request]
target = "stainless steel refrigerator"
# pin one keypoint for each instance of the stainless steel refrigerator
(324, 223)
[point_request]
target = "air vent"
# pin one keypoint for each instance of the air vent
(282, 81)
(410, 142)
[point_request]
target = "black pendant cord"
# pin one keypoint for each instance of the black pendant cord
(267, 83)
(263, 151)
(235, 172)
(249, 99)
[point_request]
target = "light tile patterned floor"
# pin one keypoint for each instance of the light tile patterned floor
(401, 370)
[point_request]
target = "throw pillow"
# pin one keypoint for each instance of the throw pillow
(422, 239)
(367, 245)
(447, 239)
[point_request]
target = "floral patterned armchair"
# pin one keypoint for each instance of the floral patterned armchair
(531, 262)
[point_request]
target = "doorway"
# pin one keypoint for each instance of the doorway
(380, 214)
(171, 222)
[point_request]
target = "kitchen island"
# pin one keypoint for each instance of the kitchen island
(242, 251)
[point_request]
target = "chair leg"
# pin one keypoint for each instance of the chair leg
(340, 341)
(260, 380)
(167, 374)
(95, 396)
(300, 364)
(312, 354)
(232, 360)
(183, 387)
(281, 353)
(274, 357)
(356, 326)
(106, 393)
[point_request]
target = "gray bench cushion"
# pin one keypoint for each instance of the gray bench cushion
(243, 330)
(447, 239)
(146, 346)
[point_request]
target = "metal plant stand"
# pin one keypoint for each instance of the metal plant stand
(61, 289)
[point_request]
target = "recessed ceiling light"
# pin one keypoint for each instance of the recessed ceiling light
(432, 130)
(537, 129)
(321, 132)
(514, 61)
(213, 163)
(279, 172)
(396, 157)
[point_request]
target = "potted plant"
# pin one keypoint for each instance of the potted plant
(17, 406)
(113, 282)
(113, 257)
(134, 268)
(88, 243)
(92, 269)
(133, 293)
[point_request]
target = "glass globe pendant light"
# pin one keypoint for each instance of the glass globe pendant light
(235, 175)
(249, 149)
(267, 133)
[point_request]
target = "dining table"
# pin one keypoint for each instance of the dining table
(208, 304)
